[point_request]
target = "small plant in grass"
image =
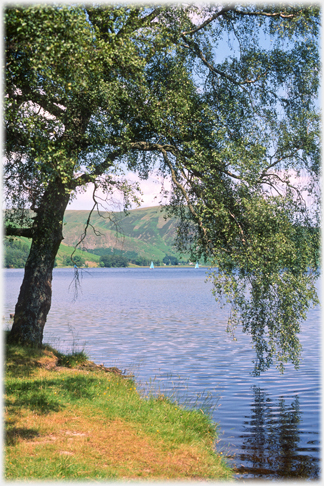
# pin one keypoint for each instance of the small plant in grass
(71, 360)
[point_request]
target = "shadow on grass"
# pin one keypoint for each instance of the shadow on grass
(13, 434)
(45, 396)
(37, 401)
(23, 361)
(20, 370)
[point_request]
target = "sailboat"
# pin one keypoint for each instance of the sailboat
(152, 266)
(197, 266)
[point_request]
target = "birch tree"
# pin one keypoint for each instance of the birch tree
(221, 99)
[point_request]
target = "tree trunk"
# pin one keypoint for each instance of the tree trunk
(34, 301)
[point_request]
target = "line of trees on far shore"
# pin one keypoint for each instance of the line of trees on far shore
(122, 261)
(16, 253)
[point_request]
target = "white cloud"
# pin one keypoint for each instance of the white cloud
(150, 188)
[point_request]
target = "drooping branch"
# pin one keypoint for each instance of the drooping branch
(277, 161)
(110, 159)
(243, 237)
(185, 194)
(194, 46)
(84, 234)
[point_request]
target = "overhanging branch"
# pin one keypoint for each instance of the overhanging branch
(43, 101)
(185, 194)
(98, 170)
(265, 14)
(109, 161)
(208, 21)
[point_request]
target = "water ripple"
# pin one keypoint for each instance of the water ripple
(165, 326)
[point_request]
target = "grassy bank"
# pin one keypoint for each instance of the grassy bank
(67, 418)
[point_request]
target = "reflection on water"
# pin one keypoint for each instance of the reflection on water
(165, 326)
(271, 441)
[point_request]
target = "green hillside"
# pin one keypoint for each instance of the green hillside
(16, 251)
(143, 231)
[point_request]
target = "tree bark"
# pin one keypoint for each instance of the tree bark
(35, 295)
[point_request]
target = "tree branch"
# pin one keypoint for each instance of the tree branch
(132, 24)
(147, 146)
(101, 168)
(240, 12)
(98, 170)
(195, 47)
(239, 226)
(264, 172)
(12, 231)
(266, 14)
(42, 101)
(47, 105)
(84, 234)
(208, 21)
(199, 53)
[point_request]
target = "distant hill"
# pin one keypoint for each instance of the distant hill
(143, 231)
(16, 251)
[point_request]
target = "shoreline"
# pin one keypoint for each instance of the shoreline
(87, 421)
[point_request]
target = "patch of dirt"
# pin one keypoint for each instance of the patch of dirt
(91, 366)
(68, 432)
(91, 264)
(49, 361)
(113, 443)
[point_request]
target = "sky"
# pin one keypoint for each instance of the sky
(150, 189)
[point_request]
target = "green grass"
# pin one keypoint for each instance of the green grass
(66, 418)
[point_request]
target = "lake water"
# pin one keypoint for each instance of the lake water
(165, 326)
